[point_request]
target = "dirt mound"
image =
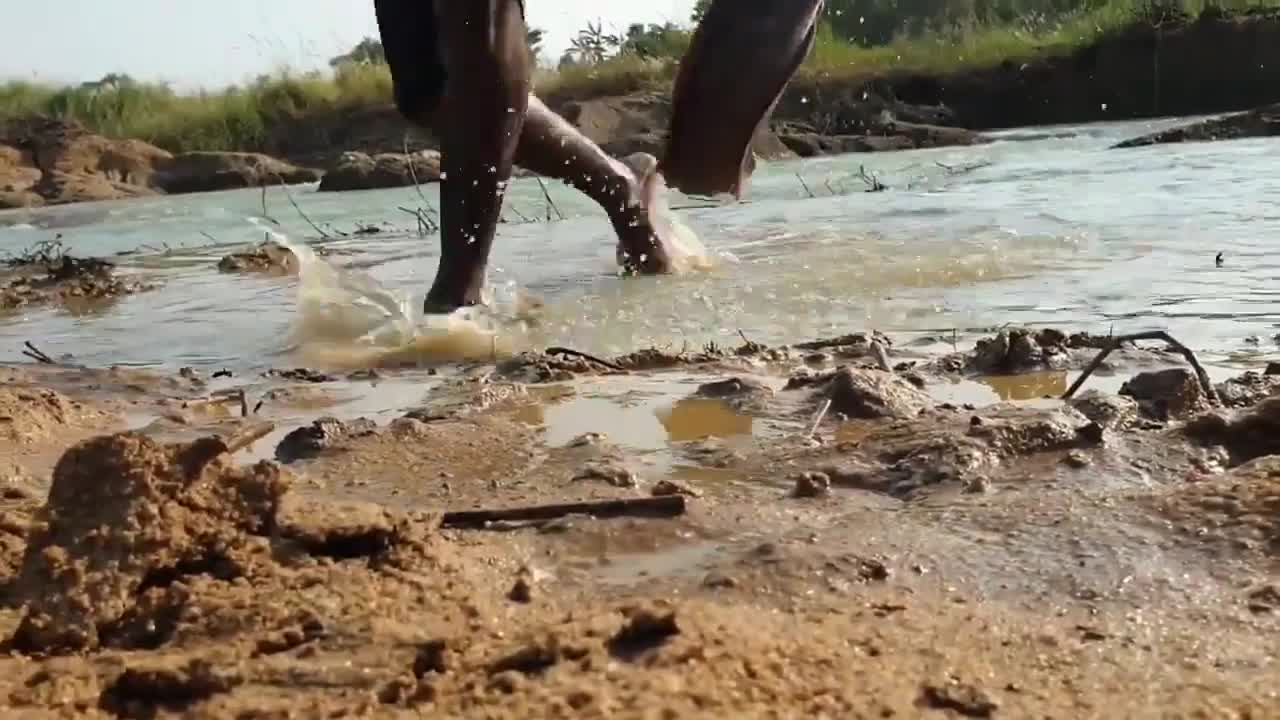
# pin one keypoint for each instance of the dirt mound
(55, 161)
(126, 515)
(359, 171)
(30, 415)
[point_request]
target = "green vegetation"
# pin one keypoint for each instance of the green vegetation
(857, 38)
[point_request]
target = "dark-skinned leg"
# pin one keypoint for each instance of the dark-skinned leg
(551, 146)
(743, 54)
(486, 94)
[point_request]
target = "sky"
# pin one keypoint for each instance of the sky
(211, 43)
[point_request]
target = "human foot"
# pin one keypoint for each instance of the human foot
(643, 242)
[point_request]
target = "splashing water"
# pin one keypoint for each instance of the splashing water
(346, 318)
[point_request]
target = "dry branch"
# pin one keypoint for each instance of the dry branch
(585, 356)
(1116, 341)
(663, 506)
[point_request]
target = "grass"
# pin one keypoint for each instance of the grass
(242, 117)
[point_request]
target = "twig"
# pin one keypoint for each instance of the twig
(212, 239)
(585, 356)
(822, 412)
(413, 173)
(37, 354)
(551, 204)
(1117, 340)
(265, 214)
(873, 182)
(284, 186)
(663, 506)
(805, 185)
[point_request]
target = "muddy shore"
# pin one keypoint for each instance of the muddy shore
(825, 538)
(1182, 65)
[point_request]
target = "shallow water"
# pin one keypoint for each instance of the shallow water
(1055, 230)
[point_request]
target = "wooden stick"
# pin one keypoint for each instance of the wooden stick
(1117, 340)
(663, 506)
(247, 437)
(284, 186)
(822, 412)
(585, 356)
(805, 185)
(37, 354)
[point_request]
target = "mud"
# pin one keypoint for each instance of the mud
(47, 275)
(1012, 559)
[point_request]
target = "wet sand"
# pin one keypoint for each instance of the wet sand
(925, 546)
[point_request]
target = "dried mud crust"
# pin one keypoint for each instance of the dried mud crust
(222, 591)
(30, 415)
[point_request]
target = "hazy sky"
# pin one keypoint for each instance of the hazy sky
(215, 42)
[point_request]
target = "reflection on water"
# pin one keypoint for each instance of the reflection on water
(700, 418)
(1029, 386)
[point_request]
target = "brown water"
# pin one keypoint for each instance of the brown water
(1054, 229)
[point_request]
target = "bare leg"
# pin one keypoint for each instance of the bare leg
(486, 94)
(551, 146)
(742, 56)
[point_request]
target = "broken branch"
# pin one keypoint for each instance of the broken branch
(585, 356)
(663, 506)
(1116, 341)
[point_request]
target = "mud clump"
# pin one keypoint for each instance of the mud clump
(322, 435)
(1111, 412)
(1254, 434)
(35, 414)
(1166, 394)
(268, 258)
(1249, 388)
(67, 279)
(535, 368)
(126, 514)
(867, 394)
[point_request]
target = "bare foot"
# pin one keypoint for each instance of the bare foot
(642, 248)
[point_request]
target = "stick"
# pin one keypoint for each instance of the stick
(247, 437)
(551, 204)
(663, 506)
(822, 412)
(413, 173)
(37, 354)
(585, 356)
(805, 185)
(1115, 341)
(294, 203)
(266, 215)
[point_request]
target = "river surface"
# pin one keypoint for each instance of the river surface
(1045, 226)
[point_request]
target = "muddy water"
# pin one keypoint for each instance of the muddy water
(1053, 229)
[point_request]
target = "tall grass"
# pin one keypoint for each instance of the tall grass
(242, 117)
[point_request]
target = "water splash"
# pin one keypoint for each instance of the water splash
(345, 318)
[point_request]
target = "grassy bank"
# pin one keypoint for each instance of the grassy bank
(241, 118)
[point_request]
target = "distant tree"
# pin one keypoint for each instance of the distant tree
(655, 41)
(593, 44)
(699, 10)
(534, 38)
(366, 52)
